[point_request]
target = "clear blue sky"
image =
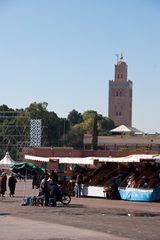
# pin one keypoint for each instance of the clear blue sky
(63, 52)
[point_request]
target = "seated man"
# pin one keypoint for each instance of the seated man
(44, 190)
(54, 194)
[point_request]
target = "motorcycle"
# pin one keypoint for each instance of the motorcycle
(64, 198)
(60, 196)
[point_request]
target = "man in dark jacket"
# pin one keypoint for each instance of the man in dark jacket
(12, 184)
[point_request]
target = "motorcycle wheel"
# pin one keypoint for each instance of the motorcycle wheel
(65, 199)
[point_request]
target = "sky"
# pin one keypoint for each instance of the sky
(63, 52)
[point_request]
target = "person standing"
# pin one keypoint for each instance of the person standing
(3, 184)
(54, 176)
(35, 181)
(78, 185)
(12, 184)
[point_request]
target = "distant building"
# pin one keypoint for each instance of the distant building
(120, 96)
(125, 141)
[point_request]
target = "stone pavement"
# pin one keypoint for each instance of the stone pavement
(83, 218)
(25, 229)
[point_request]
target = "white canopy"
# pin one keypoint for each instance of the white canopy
(7, 161)
(91, 160)
(36, 158)
(73, 160)
(130, 158)
(65, 160)
(125, 129)
(157, 158)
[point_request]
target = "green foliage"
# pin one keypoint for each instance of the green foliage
(50, 122)
(89, 114)
(106, 124)
(123, 149)
(74, 117)
(74, 138)
(37, 110)
(143, 149)
(95, 132)
(5, 108)
(88, 117)
(56, 131)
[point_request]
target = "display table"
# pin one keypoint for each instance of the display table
(93, 191)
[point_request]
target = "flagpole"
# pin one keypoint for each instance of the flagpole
(25, 179)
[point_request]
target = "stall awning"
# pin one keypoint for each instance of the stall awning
(36, 158)
(74, 160)
(69, 160)
(157, 158)
(91, 160)
(130, 158)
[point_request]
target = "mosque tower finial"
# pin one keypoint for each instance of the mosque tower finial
(121, 58)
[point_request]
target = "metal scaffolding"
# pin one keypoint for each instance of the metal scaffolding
(15, 133)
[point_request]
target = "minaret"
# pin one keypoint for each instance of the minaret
(120, 95)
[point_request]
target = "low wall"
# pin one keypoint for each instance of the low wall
(62, 152)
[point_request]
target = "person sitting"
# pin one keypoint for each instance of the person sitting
(112, 190)
(44, 190)
(153, 183)
(131, 182)
(54, 194)
(142, 182)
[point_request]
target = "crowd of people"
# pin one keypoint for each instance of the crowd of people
(47, 185)
(132, 175)
(11, 183)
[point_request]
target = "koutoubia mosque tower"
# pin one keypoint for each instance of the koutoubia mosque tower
(120, 95)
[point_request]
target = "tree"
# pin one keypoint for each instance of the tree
(88, 117)
(64, 127)
(74, 117)
(94, 133)
(50, 122)
(15, 126)
(5, 108)
(14, 131)
(74, 138)
(105, 125)
(37, 110)
(52, 125)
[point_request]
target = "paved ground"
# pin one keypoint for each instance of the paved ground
(84, 218)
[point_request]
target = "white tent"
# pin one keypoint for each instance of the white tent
(6, 162)
(125, 129)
